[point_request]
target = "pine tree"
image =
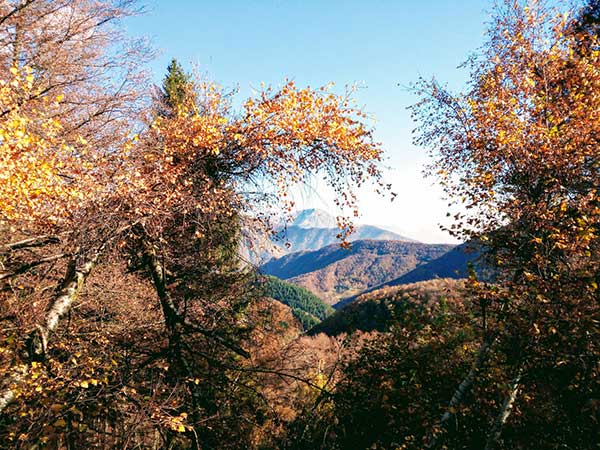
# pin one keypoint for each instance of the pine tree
(176, 85)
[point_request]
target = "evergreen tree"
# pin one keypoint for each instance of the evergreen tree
(176, 85)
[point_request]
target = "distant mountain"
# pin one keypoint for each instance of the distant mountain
(314, 218)
(300, 239)
(306, 306)
(453, 264)
(311, 229)
(334, 273)
(381, 308)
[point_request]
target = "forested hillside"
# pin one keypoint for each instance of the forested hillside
(306, 307)
(457, 263)
(334, 273)
(383, 308)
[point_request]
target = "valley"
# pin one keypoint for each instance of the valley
(337, 275)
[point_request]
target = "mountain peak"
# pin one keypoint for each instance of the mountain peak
(314, 218)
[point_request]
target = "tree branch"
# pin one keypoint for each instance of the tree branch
(172, 316)
(21, 6)
(36, 241)
(25, 267)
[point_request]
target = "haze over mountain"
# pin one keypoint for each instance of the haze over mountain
(314, 218)
(334, 273)
(311, 229)
(314, 228)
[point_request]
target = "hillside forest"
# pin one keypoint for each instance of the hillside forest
(150, 297)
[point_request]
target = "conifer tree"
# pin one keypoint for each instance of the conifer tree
(176, 85)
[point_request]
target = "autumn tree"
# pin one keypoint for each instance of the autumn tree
(518, 152)
(196, 168)
(78, 53)
(67, 104)
(161, 202)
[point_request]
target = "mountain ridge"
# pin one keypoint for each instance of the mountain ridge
(311, 229)
(334, 273)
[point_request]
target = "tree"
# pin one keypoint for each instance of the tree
(67, 104)
(170, 204)
(78, 54)
(195, 167)
(176, 85)
(518, 151)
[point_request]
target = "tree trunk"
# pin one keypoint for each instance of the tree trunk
(78, 271)
(462, 389)
(467, 382)
(505, 411)
(173, 320)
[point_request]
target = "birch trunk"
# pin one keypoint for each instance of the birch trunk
(463, 388)
(78, 271)
(467, 382)
(507, 406)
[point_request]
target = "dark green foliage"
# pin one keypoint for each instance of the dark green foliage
(176, 85)
(306, 320)
(306, 307)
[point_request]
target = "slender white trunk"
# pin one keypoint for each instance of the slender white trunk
(462, 390)
(467, 382)
(8, 393)
(79, 269)
(505, 411)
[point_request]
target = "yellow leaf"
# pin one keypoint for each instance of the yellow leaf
(84, 384)
(60, 423)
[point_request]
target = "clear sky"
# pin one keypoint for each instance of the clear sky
(381, 45)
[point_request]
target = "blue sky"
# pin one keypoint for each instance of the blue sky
(381, 45)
